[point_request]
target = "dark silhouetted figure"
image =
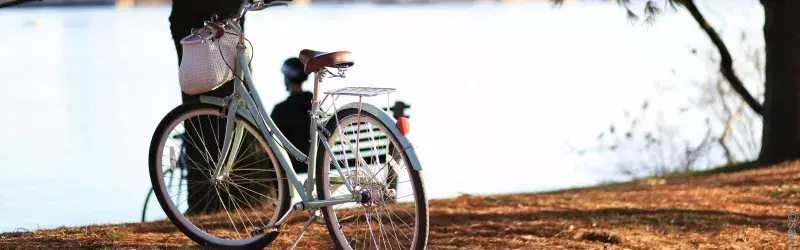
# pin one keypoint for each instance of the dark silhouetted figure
(291, 115)
(187, 15)
(399, 109)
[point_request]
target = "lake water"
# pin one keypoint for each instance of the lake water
(498, 92)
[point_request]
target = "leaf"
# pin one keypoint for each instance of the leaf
(612, 129)
(672, 5)
(651, 11)
(645, 105)
(631, 16)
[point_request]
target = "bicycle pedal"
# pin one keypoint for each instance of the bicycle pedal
(259, 231)
(320, 219)
(317, 214)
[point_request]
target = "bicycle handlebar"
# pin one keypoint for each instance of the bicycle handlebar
(18, 2)
(218, 28)
(257, 5)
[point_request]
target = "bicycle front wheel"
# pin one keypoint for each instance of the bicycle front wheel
(216, 199)
(391, 209)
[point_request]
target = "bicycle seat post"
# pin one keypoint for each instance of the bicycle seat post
(318, 75)
(312, 154)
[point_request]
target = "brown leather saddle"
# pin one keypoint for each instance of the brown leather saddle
(315, 60)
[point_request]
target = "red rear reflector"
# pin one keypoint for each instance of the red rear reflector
(402, 125)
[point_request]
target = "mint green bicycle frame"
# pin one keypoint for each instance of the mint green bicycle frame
(246, 103)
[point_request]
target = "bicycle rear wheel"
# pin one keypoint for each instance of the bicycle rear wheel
(391, 211)
(228, 209)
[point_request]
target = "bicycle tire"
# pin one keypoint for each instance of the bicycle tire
(415, 176)
(179, 219)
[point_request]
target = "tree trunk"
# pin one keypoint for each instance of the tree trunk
(781, 133)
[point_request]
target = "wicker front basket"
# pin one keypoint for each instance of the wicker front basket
(207, 61)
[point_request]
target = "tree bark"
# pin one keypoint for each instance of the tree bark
(725, 62)
(781, 132)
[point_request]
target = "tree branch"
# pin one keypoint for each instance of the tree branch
(12, 3)
(726, 63)
(728, 131)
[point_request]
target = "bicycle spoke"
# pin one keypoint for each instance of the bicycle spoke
(222, 203)
(369, 226)
(191, 141)
(239, 211)
(247, 189)
(226, 206)
(181, 190)
(381, 235)
(203, 141)
(251, 208)
(394, 226)
(214, 133)
(381, 167)
(195, 205)
(247, 149)
(205, 171)
(201, 170)
(401, 219)
(250, 164)
(207, 155)
(260, 183)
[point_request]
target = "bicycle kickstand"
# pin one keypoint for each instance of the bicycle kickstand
(311, 217)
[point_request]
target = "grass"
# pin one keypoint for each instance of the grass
(712, 210)
(736, 167)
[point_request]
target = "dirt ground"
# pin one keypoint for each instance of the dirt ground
(744, 210)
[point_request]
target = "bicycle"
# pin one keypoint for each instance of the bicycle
(221, 172)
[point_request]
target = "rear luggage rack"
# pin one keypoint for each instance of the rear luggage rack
(360, 91)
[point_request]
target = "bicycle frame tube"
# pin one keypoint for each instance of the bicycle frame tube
(253, 110)
(312, 153)
(253, 95)
(231, 142)
(269, 131)
(283, 158)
